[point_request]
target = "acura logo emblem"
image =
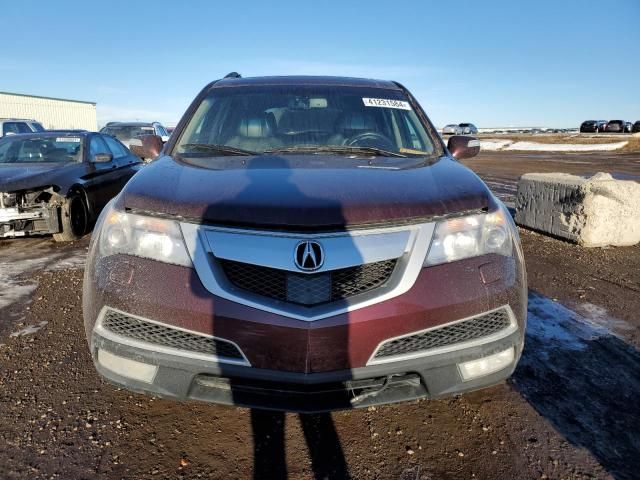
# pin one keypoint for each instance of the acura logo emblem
(309, 255)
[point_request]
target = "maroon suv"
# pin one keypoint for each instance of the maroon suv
(305, 244)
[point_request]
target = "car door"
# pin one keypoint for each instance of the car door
(128, 164)
(103, 179)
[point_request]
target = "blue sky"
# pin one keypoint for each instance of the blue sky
(494, 63)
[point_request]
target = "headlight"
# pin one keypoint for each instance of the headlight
(470, 236)
(141, 236)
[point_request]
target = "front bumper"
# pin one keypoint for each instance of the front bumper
(295, 365)
(185, 378)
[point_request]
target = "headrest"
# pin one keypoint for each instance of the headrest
(254, 128)
(357, 121)
(295, 121)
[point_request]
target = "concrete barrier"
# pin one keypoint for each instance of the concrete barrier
(593, 212)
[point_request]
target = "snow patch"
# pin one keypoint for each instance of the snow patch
(565, 147)
(21, 259)
(493, 145)
(560, 327)
(496, 145)
(29, 329)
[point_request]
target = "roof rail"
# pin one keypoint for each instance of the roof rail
(233, 75)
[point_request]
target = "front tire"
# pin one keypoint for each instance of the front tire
(74, 219)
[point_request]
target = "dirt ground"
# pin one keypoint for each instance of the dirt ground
(569, 412)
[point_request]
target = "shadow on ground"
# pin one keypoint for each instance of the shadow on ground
(585, 381)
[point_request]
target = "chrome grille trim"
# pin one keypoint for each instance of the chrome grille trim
(103, 330)
(512, 326)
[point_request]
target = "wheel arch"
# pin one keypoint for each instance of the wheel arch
(78, 189)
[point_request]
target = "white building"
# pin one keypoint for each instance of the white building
(52, 113)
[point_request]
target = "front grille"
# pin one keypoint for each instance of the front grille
(471, 329)
(308, 289)
(132, 327)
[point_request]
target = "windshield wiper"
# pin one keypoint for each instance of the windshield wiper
(224, 149)
(346, 149)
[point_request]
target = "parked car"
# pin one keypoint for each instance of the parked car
(460, 129)
(616, 126)
(468, 129)
(306, 244)
(636, 127)
(593, 126)
(451, 129)
(128, 131)
(13, 126)
(628, 127)
(58, 182)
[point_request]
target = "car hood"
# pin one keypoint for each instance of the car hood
(28, 175)
(304, 192)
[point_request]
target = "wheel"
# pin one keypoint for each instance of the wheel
(73, 219)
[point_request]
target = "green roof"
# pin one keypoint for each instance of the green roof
(47, 98)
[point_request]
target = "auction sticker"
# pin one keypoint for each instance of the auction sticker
(386, 103)
(68, 139)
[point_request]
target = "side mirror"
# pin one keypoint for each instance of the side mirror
(102, 158)
(463, 146)
(146, 146)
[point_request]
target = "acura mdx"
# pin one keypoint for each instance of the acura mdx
(306, 244)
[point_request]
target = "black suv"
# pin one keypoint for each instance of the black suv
(593, 126)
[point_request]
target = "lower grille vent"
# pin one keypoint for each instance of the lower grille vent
(472, 329)
(136, 328)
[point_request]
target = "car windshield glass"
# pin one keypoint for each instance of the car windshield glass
(125, 132)
(37, 127)
(41, 149)
(300, 119)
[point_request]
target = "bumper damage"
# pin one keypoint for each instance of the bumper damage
(145, 369)
(29, 213)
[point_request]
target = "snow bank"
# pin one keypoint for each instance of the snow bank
(495, 145)
(565, 147)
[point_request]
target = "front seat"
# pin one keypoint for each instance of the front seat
(256, 134)
(352, 124)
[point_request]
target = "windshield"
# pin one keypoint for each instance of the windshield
(41, 149)
(286, 119)
(124, 132)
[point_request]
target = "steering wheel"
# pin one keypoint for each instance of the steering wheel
(370, 139)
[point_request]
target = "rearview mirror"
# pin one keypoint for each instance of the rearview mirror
(147, 147)
(102, 158)
(463, 146)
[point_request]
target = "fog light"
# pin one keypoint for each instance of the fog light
(215, 382)
(126, 367)
(486, 365)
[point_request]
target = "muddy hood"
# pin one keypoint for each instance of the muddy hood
(295, 192)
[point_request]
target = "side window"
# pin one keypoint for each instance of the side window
(97, 146)
(4, 150)
(116, 148)
(15, 127)
(24, 128)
